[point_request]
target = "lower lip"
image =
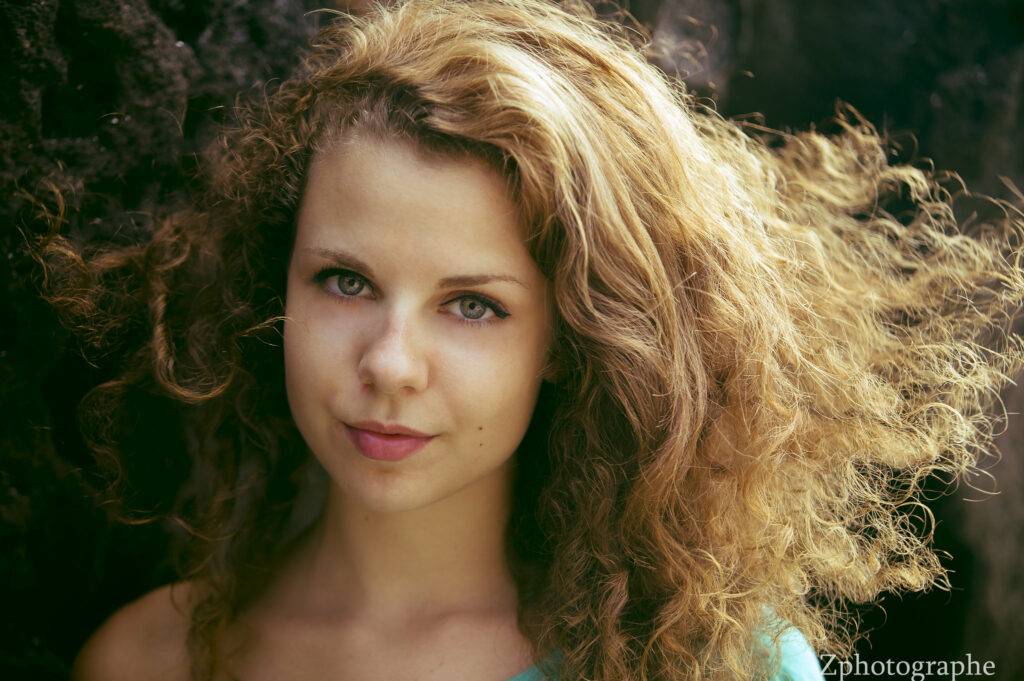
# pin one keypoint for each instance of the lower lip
(383, 447)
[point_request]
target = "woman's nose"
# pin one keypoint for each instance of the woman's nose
(392, 362)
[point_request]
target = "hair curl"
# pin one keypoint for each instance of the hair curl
(761, 362)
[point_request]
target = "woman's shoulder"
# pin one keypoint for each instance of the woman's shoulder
(145, 639)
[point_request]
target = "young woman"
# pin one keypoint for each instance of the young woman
(498, 358)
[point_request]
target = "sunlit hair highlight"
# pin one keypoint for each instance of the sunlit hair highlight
(766, 342)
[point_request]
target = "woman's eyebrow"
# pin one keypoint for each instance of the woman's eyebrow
(345, 259)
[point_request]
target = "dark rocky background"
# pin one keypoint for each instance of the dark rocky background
(110, 101)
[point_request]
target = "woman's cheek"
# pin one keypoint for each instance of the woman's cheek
(306, 366)
(294, 366)
(494, 386)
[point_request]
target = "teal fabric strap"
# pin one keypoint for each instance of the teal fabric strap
(531, 674)
(797, 661)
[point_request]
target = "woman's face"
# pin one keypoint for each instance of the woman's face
(412, 302)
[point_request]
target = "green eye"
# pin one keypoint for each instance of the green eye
(473, 309)
(348, 284)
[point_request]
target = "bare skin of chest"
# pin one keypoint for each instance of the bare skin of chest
(459, 649)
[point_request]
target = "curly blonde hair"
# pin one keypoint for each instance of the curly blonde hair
(761, 363)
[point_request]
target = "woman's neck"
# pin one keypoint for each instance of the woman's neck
(400, 568)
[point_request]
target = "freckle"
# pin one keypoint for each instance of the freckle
(479, 427)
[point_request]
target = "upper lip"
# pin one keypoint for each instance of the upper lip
(387, 428)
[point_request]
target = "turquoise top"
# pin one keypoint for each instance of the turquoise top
(798, 661)
(531, 674)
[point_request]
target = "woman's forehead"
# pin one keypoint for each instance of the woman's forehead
(380, 196)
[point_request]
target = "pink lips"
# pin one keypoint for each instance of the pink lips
(394, 444)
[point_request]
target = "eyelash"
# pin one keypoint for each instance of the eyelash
(499, 312)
